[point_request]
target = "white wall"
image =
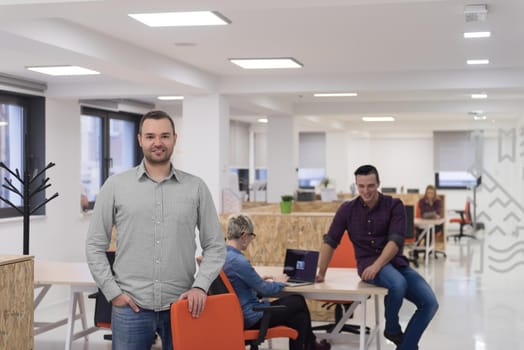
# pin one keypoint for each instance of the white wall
(60, 235)
(238, 145)
(402, 160)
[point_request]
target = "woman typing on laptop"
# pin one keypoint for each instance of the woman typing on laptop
(430, 206)
(248, 285)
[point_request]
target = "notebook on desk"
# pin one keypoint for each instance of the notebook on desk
(301, 266)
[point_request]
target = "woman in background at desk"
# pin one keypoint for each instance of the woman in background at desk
(248, 284)
(430, 207)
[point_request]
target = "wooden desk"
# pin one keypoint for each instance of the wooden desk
(428, 234)
(341, 284)
(16, 302)
(78, 277)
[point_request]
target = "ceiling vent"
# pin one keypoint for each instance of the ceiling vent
(476, 13)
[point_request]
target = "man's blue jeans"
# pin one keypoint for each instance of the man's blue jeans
(136, 330)
(405, 282)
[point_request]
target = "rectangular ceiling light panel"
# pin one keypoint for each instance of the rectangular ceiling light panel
(266, 63)
(378, 119)
(63, 70)
(181, 19)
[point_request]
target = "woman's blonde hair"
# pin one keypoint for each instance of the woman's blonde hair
(238, 224)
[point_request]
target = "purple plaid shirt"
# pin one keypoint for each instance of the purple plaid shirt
(370, 229)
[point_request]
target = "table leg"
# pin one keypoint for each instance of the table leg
(363, 343)
(377, 322)
(71, 317)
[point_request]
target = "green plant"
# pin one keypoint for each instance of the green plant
(325, 182)
(286, 198)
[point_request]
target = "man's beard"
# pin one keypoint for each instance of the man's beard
(158, 161)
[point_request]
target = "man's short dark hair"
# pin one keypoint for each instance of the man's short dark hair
(367, 170)
(157, 115)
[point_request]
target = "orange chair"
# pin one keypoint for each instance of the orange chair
(463, 220)
(254, 337)
(220, 326)
(343, 256)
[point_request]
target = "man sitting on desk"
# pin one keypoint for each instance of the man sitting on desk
(376, 224)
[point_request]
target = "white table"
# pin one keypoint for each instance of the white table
(428, 234)
(78, 278)
(341, 284)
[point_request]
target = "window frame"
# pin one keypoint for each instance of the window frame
(106, 116)
(33, 128)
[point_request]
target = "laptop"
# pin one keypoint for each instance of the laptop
(301, 266)
(429, 215)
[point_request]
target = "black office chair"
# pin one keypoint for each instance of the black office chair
(102, 306)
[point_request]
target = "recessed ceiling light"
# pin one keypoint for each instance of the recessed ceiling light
(479, 96)
(266, 63)
(170, 98)
(480, 117)
(3, 123)
(262, 120)
(378, 119)
(474, 35)
(180, 19)
(63, 70)
(336, 94)
(482, 61)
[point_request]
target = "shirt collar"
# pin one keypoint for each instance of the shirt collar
(141, 171)
(364, 205)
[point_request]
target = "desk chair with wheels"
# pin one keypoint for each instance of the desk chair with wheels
(463, 220)
(343, 256)
(254, 337)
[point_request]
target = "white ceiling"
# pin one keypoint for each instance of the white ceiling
(405, 58)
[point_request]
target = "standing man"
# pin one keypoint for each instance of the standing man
(155, 209)
(377, 225)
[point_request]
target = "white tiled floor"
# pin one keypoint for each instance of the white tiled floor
(480, 294)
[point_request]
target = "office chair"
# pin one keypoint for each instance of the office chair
(219, 326)
(343, 256)
(254, 337)
(464, 220)
(102, 316)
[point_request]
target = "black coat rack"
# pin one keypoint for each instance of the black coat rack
(30, 188)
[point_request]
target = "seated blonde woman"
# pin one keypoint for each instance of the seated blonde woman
(248, 285)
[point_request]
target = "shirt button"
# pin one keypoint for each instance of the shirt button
(369, 233)
(369, 221)
(372, 242)
(157, 242)
(157, 261)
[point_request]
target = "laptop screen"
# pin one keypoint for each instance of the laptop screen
(301, 265)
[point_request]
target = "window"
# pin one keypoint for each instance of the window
(109, 146)
(21, 115)
(312, 159)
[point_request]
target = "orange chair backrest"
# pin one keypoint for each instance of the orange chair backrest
(344, 255)
(219, 326)
(226, 282)
(467, 212)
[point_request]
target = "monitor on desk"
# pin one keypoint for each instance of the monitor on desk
(388, 189)
(456, 180)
